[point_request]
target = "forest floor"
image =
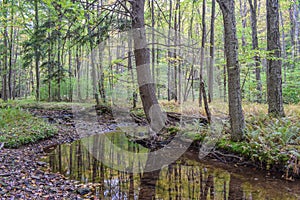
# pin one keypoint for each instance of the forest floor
(24, 176)
(270, 143)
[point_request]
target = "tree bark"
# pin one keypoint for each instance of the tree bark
(202, 50)
(212, 52)
(142, 59)
(253, 8)
(274, 80)
(231, 50)
(5, 57)
(36, 51)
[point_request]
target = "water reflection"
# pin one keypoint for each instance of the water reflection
(187, 178)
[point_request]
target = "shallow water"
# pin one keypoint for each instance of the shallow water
(101, 159)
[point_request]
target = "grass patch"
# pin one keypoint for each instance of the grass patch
(18, 127)
(32, 104)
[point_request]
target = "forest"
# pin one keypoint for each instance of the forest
(215, 77)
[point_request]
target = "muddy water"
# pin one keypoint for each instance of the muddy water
(94, 160)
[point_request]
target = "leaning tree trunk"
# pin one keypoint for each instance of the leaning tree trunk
(142, 59)
(274, 81)
(231, 50)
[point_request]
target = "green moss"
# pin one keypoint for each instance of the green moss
(18, 127)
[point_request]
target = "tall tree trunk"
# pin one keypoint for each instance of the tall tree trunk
(202, 50)
(92, 55)
(179, 52)
(4, 52)
(212, 52)
(142, 59)
(253, 8)
(11, 52)
(243, 13)
(274, 81)
(293, 12)
(170, 91)
(175, 52)
(153, 39)
(78, 70)
(36, 51)
(233, 69)
(283, 49)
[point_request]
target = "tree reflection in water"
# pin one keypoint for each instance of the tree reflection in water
(187, 178)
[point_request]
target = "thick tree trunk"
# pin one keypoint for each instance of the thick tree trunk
(142, 59)
(231, 50)
(274, 81)
(253, 8)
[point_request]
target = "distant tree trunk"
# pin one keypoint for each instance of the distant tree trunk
(92, 55)
(283, 49)
(70, 75)
(253, 8)
(169, 54)
(59, 69)
(130, 71)
(231, 50)
(274, 81)
(5, 57)
(49, 68)
(212, 52)
(179, 52)
(243, 13)
(202, 50)
(11, 52)
(175, 52)
(36, 51)
(78, 68)
(142, 59)
(293, 12)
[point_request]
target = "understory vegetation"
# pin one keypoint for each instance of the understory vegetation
(19, 127)
(268, 141)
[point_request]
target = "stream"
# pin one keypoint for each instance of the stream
(118, 172)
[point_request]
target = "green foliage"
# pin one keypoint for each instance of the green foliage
(268, 140)
(18, 127)
(290, 89)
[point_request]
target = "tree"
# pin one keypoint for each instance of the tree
(231, 51)
(36, 50)
(274, 80)
(4, 52)
(212, 52)
(253, 8)
(142, 59)
(203, 40)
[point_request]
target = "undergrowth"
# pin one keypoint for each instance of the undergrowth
(18, 127)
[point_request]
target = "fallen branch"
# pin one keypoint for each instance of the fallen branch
(228, 155)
